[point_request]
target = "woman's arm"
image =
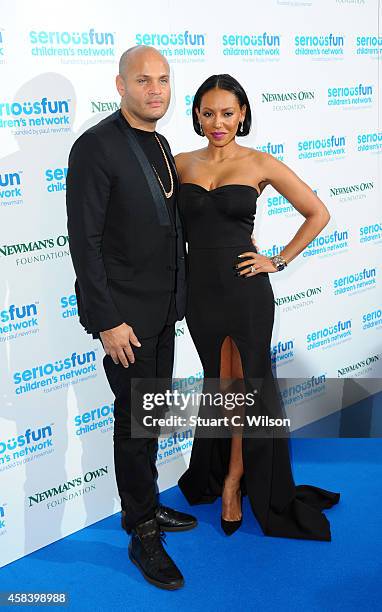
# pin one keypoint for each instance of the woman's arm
(303, 199)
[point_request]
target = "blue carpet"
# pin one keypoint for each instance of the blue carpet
(247, 569)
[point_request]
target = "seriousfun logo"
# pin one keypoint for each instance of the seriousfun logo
(27, 445)
(352, 95)
(176, 45)
(11, 188)
(74, 45)
(174, 444)
(330, 335)
(299, 392)
(70, 485)
(322, 45)
(371, 141)
(18, 320)
(372, 319)
(369, 45)
(371, 233)
(55, 179)
(95, 419)
(327, 244)
(189, 99)
(68, 305)
(355, 281)
(282, 351)
(36, 117)
(252, 45)
(332, 146)
(71, 368)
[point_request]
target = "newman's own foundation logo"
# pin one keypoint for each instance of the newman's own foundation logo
(75, 487)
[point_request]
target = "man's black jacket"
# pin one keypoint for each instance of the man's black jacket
(120, 232)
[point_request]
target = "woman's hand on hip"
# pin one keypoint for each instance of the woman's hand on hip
(254, 264)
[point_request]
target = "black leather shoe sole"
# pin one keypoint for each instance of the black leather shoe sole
(163, 527)
(161, 585)
(179, 528)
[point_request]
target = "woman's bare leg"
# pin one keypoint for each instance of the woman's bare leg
(231, 507)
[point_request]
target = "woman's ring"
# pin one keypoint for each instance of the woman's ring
(253, 269)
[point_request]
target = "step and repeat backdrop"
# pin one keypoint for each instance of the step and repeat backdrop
(312, 73)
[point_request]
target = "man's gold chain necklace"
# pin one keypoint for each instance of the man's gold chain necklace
(167, 194)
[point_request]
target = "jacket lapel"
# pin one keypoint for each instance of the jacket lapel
(156, 192)
(157, 195)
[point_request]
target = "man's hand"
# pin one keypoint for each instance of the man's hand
(117, 343)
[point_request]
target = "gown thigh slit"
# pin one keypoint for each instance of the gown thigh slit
(224, 310)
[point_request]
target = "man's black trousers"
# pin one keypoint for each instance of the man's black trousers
(135, 457)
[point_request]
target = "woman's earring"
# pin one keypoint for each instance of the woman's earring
(241, 127)
(201, 129)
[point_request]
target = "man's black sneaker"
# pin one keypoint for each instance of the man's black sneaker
(146, 551)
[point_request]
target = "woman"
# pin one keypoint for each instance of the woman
(231, 307)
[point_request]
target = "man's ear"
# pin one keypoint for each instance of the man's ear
(120, 85)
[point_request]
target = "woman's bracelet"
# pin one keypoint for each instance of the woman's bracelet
(279, 262)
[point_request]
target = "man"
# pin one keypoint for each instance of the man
(128, 253)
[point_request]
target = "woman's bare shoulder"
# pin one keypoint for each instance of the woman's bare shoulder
(261, 162)
(185, 159)
(260, 157)
(187, 155)
(267, 160)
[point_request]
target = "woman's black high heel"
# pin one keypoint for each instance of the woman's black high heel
(229, 527)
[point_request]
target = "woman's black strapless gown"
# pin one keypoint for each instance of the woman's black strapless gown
(218, 226)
